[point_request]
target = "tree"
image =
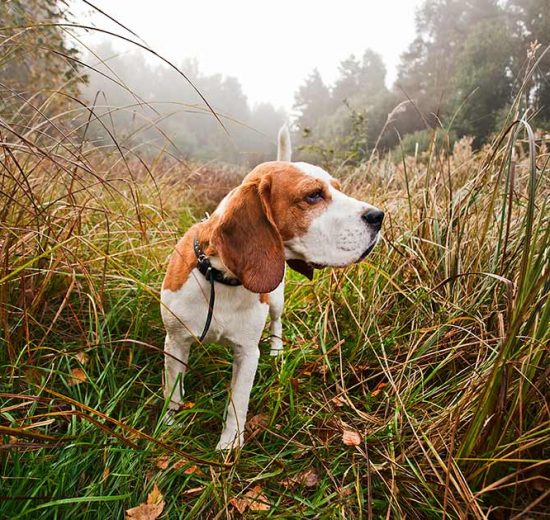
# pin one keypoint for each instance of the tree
(372, 76)
(348, 82)
(312, 101)
(531, 19)
(427, 69)
(482, 80)
(36, 61)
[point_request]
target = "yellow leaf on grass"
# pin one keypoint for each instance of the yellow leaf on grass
(351, 438)
(77, 376)
(149, 511)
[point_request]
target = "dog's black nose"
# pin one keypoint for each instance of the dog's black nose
(373, 217)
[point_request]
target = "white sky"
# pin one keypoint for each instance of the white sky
(269, 46)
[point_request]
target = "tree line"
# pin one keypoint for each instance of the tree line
(460, 74)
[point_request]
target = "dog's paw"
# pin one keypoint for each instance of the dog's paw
(276, 346)
(230, 441)
(170, 416)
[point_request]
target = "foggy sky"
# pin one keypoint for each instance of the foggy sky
(269, 46)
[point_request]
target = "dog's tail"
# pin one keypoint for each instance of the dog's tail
(284, 151)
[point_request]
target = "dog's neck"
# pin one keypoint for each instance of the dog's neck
(205, 230)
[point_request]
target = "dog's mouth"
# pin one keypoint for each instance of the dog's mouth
(367, 251)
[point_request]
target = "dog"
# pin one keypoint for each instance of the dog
(227, 272)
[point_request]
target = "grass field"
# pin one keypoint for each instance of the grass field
(413, 385)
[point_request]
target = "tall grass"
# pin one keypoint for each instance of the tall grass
(435, 350)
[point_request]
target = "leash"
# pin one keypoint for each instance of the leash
(212, 275)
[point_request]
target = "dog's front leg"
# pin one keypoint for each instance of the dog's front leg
(245, 363)
(176, 355)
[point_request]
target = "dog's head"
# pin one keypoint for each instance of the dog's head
(294, 212)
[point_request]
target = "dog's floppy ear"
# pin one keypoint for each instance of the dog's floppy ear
(247, 239)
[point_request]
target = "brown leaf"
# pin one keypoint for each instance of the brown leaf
(256, 425)
(155, 497)
(77, 376)
(149, 511)
(338, 401)
(307, 478)
(351, 438)
(82, 358)
(193, 469)
(180, 463)
(240, 504)
(162, 462)
(378, 389)
(257, 500)
(253, 499)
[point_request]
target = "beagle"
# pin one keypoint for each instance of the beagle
(283, 212)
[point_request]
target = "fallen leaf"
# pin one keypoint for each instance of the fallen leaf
(258, 501)
(307, 478)
(240, 504)
(77, 376)
(345, 491)
(193, 469)
(338, 401)
(82, 358)
(162, 462)
(256, 425)
(351, 438)
(378, 389)
(187, 405)
(180, 463)
(155, 497)
(149, 511)
(253, 499)
(106, 473)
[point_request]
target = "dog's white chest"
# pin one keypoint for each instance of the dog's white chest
(237, 314)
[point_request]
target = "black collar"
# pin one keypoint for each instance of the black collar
(209, 272)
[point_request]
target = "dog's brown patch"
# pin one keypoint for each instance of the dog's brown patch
(264, 298)
(289, 188)
(183, 259)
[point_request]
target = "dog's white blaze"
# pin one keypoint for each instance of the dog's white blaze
(338, 236)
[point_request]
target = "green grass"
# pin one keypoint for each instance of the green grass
(435, 349)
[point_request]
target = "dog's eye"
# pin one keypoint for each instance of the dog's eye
(314, 197)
